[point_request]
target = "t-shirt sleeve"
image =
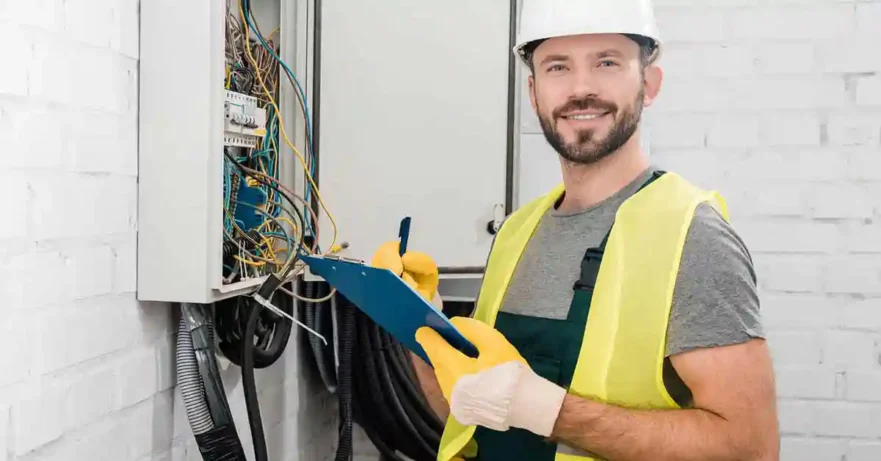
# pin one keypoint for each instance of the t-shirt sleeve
(715, 300)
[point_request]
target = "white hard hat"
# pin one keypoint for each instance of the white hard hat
(542, 19)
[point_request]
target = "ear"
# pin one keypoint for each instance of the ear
(652, 81)
(531, 81)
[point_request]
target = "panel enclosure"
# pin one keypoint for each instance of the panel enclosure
(183, 130)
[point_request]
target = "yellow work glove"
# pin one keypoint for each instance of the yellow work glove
(450, 364)
(416, 268)
(498, 389)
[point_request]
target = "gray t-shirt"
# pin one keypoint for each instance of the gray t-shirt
(715, 300)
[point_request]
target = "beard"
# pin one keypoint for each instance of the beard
(587, 148)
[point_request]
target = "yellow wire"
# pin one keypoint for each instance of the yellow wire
(281, 126)
(269, 249)
(248, 262)
(291, 223)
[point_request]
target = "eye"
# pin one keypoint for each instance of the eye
(608, 63)
(556, 67)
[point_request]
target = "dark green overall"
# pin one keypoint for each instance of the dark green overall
(551, 347)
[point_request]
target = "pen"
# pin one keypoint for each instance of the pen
(404, 234)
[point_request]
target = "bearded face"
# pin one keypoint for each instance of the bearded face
(588, 92)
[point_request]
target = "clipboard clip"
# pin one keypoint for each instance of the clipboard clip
(345, 259)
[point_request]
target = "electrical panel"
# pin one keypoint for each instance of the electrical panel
(217, 191)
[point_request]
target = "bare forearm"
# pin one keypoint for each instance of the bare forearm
(430, 387)
(620, 434)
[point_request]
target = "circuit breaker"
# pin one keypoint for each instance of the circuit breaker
(243, 121)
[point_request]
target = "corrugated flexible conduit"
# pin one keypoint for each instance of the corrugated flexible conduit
(316, 314)
(202, 387)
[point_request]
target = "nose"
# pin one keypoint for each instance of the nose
(584, 83)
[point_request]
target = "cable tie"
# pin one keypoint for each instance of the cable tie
(267, 304)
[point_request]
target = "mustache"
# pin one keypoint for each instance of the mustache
(585, 104)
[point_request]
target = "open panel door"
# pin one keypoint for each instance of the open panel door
(414, 119)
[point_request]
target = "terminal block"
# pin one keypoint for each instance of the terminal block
(243, 122)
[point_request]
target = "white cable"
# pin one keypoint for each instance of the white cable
(265, 303)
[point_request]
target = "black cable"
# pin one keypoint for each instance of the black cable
(369, 377)
(249, 385)
(315, 317)
(378, 390)
(345, 386)
(396, 398)
(412, 398)
(383, 404)
(272, 332)
(384, 450)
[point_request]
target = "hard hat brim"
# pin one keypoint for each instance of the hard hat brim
(520, 50)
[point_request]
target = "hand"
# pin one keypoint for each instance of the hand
(416, 268)
(498, 389)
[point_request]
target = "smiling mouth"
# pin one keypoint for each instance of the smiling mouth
(584, 116)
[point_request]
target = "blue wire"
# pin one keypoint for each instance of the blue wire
(246, 8)
(302, 95)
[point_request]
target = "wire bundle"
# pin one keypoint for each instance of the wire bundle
(254, 67)
(261, 247)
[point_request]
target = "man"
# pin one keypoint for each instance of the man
(618, 317)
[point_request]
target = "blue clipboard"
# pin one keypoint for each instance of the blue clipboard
(388, 301)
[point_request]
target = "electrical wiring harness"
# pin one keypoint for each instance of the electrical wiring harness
(256, 241)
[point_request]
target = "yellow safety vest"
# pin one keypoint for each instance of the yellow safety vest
(623, 351)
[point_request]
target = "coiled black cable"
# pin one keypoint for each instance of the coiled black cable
(271, 331)
(377, 387)
(396, 399)
(412, 399)
(318, 317)
(389, 404)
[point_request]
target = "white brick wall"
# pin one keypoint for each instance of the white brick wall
(777, 103)
(87, 372)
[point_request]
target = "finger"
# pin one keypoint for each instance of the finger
(426, 293)
(424, 271)
(427, 283)
(437, 348)
(418, 262)
(410, 280)
(480, 334)
(387, 257)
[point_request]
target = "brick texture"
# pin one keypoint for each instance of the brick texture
(91, 375)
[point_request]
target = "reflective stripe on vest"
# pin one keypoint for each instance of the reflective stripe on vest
(623, 350)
